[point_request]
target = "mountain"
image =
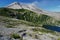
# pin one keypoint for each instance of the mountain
(19, 22)
(33, 8)
(17, 5)
(30, 13)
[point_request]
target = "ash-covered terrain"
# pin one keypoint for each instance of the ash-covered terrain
(26, 22)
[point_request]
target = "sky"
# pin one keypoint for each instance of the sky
(49, 5)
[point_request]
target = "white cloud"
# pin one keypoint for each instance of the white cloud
(40, 3)
(33, 3)
(58, 6)
(45, 4)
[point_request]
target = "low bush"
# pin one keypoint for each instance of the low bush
(15, 36)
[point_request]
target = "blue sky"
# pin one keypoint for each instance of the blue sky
(49, 5)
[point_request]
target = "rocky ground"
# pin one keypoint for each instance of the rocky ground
(23, 32)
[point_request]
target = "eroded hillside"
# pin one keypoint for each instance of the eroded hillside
(14, 29)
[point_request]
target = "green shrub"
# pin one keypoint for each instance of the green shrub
(15, 36)
(10, 26)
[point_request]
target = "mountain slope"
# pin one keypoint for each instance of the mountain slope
(33, 8)
(13, 29)
(27, 15)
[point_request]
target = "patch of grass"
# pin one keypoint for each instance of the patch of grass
(10, 26)
(16, 36)
(44, 31)
(58, 39)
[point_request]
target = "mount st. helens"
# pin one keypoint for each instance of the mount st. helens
(34, 8)
(26, 22)
(28, 13)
